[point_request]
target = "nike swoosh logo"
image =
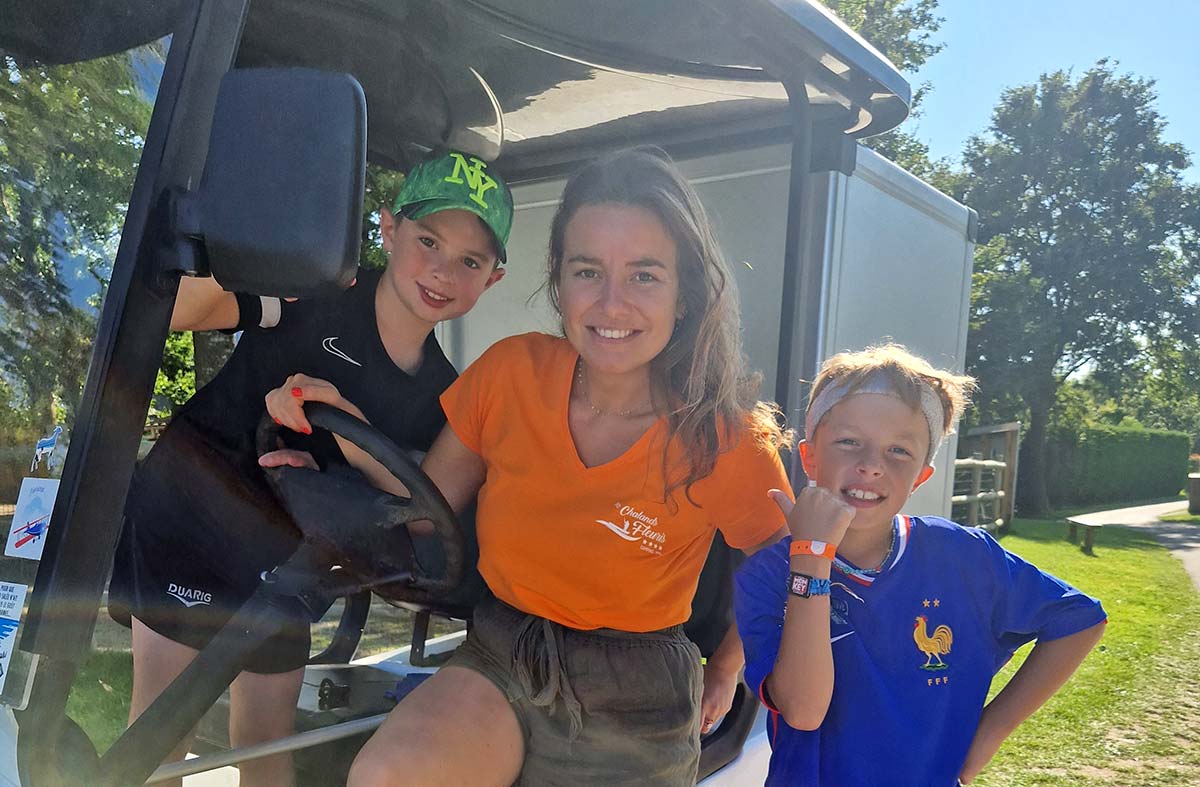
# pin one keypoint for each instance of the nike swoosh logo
(618, 531)
(187, 602)
(327, 343)
(839, 636)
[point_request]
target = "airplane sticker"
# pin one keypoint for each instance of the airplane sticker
(31, 518)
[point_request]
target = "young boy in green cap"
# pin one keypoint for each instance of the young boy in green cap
(193, 549)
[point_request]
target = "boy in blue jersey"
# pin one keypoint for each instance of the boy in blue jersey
(873, 637)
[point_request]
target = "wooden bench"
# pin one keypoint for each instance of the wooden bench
(1089, 531)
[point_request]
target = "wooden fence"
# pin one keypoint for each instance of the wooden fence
(985, 481)
(984, 504)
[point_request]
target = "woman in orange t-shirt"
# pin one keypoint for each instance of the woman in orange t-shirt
(604, 461)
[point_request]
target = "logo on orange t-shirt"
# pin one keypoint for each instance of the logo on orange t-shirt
(637, 528)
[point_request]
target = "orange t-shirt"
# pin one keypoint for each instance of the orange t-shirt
(593, 547)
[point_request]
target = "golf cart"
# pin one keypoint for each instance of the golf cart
(253, 169)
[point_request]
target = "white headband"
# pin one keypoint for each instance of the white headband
(878, 383)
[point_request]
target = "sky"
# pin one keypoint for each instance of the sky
(991, 45)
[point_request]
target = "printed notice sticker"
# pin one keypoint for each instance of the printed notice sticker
(31, 518)
(12, 602)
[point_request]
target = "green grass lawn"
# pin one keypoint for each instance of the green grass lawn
(1182, 516)
(1130, 715)
(99, 700)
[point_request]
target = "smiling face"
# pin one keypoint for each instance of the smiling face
(870, 449)
(438, 265)
(618, 287)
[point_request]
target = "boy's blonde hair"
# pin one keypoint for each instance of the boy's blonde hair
(906, 373)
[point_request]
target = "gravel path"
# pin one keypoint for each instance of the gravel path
(1181, 538)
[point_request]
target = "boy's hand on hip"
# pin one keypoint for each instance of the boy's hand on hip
(817, 515)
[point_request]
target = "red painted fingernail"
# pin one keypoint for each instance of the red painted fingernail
(297, 392)
(276, 420)
(307, 430)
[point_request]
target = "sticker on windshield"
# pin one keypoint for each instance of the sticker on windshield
(12, 602)
(44, 450)
(31, 518)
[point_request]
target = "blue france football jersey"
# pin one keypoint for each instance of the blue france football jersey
(914, 651)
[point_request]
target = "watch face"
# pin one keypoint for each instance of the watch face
(799, 584)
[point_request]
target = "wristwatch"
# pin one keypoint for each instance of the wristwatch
(804, 586)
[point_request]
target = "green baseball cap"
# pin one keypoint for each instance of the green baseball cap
(458, 181)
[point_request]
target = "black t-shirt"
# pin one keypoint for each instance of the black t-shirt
(335, 339)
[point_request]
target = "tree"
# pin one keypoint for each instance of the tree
(176, 380)
(70, 138)
(900, 29)
(1160, 390)
(1088, 243)
(382, 185)
(903, 31)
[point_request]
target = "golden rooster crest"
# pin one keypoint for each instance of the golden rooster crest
(935, 646)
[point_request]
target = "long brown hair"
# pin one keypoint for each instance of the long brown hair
(702, 367)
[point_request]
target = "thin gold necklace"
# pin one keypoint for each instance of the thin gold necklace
(583, 389)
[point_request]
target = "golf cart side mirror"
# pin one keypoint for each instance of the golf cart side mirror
(279, 209)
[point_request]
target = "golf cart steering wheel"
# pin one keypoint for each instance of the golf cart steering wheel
(366, 529)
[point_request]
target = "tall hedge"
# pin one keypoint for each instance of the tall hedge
(1102, 464)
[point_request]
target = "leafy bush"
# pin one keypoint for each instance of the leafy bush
(176, 381)
(1101, 464)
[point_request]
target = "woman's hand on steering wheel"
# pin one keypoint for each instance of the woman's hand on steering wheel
(286, 403)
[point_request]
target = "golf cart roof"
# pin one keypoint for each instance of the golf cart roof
(533, 83)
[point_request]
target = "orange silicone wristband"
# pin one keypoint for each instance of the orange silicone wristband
(816, 548)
